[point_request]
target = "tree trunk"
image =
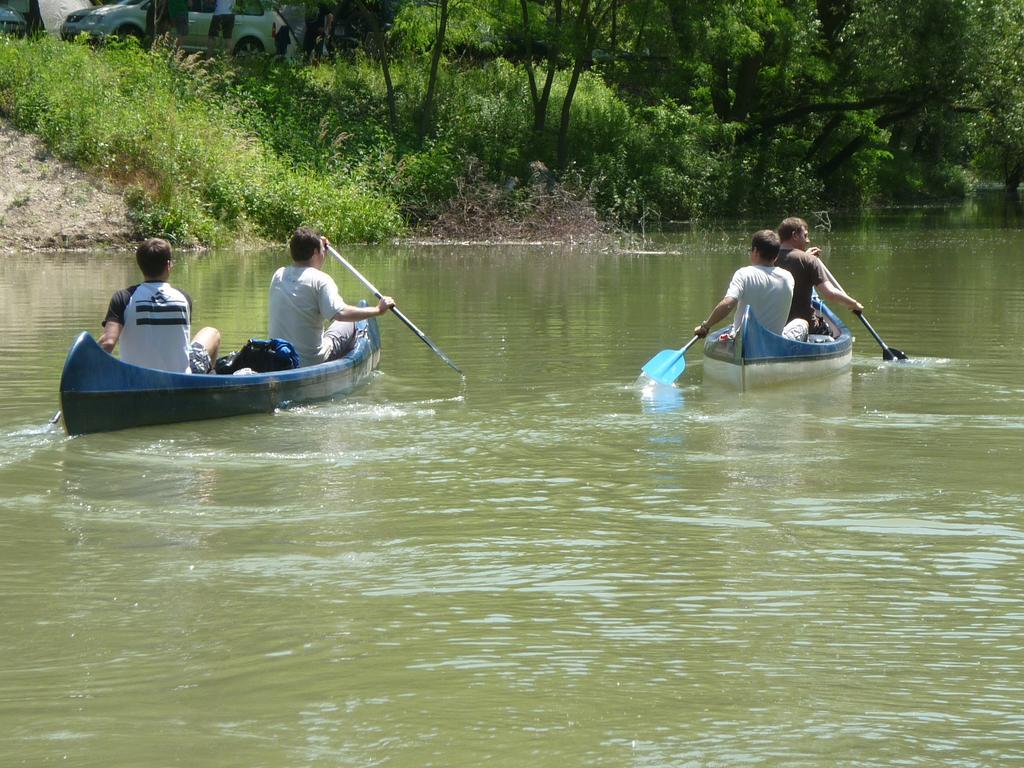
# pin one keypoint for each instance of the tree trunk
(380, 43)
(588, 23)
(528, 42)
(826, 132)
(832, 165)
(859, 142)
(540, 100)
(426, 119)
(540, 109)
(389, 87)
(157, 21)
(615, 26)
(563, 126)
(746, 87)
(721, 102)
(834, 15)
(1014, 176)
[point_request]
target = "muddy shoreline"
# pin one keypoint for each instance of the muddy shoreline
(47, 204)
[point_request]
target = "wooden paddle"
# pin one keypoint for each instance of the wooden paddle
(396, 312)
(668, 365)
(888, 353)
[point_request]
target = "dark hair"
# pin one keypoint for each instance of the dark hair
(790, 227)
(152, 256)
(766, 243)
(304, 243)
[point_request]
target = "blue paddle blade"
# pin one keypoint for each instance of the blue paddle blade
(666, 366)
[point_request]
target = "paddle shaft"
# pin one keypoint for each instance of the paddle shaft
(688, 345)
(680, 352)
(412, 327)
(889, 353)
(874, 333)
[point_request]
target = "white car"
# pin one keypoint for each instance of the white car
(253, 31)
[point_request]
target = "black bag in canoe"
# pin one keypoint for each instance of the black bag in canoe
(260, 355)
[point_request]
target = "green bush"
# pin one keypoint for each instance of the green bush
(600, 123)
(425, 180)
(485, 115)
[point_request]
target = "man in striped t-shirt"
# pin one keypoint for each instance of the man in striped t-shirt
(153, 320)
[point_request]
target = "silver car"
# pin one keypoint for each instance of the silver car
(253, 31)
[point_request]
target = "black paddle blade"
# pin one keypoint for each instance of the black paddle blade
(891, 353)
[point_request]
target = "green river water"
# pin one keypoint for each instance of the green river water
(544, 565)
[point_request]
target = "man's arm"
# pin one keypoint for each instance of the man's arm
(351, 314)
(721, 310)
(111, 333)
(113, 323)
(832, 292)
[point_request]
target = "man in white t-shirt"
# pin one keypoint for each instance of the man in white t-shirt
(153, 320)
(302, 297)
(765, 288)
(222, 25)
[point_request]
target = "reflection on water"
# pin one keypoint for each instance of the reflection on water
(548, 564)
(659, 398)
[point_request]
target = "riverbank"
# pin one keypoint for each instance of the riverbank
(215, 151)
(48, 204)
(211, 151)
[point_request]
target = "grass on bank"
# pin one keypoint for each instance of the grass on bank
(157, 123)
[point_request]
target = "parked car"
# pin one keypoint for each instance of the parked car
(12, 22)
(253, 32)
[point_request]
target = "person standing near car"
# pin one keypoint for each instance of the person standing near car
(34, 19)
(177, 12)
(282, 38)
(316, 28)
(222, 25)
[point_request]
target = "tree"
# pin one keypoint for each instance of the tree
(378, 47)
(540, 97)
(998, 94)
(588, 18)
(441, 30)
(568, 32)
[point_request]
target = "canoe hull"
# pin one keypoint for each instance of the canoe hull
(759, 358)
(99, 393)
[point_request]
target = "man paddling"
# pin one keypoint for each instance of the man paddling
(765, 288)
(800, 259)
(302, 298)
(153, 320)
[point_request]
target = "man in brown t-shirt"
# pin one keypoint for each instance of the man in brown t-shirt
(800, 259)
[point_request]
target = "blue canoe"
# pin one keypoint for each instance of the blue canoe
(757, 357)
(99, 393)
